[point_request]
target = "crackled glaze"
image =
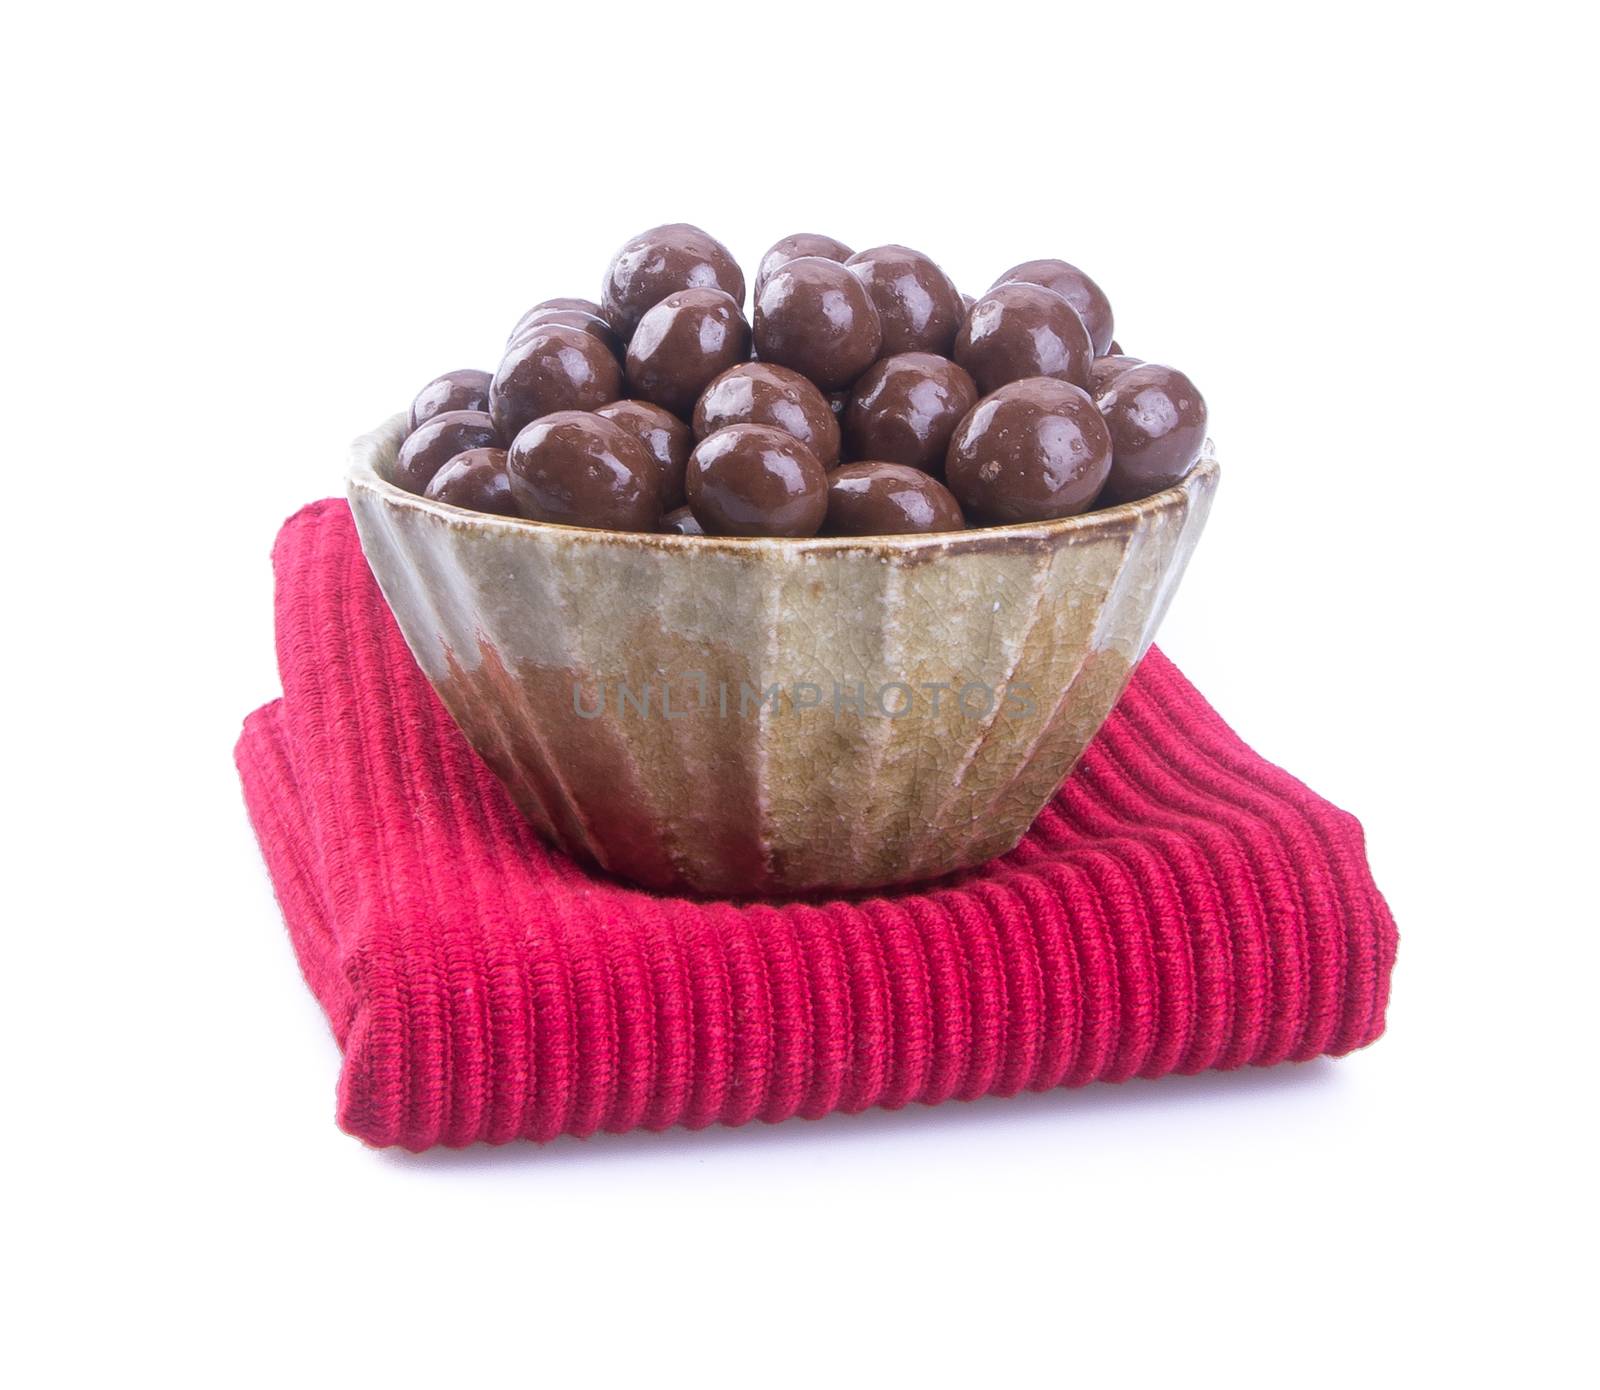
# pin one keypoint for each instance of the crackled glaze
(525, 628)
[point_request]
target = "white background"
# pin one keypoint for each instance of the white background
(239, 236)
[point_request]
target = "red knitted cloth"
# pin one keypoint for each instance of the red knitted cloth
(1181, 904)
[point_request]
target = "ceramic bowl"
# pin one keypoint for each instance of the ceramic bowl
(763, 717)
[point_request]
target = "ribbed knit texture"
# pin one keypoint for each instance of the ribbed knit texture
(1180, 905)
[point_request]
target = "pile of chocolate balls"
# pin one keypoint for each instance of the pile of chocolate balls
(869, 397)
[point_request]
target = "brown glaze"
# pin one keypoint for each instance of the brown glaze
(791, 248)
(753, 480)
(553, 368)
(1107, 369)
(919, 307)
(580, 319)
(1035, 450)
(680, 522)
(816, 317)
(905, 409)
(1076, 288)
(1020, 330)
(653, 264)
(681, 344)
(888, 499)
(662, 433)
(436, 441)
(476, 480)
(1158, 424)
(578, 469)
(467, 389)
(763, 393)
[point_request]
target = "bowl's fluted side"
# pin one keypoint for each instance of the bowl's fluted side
(759, 717)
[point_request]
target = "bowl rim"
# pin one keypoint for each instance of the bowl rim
(362, 473)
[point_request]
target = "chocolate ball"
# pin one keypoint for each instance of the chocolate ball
(919, 307)
(763, 393)
(1034, 450)
(655, 263)
(791, 248)
(1076, 288)
(580, 319)
(905, 409)
(553, 368)
(888, 499)
(476, 480)
(436, 441)
(680, 522)
(663, 434)
(467, 389)
(1107, 369)
(817, 318)
(753, 480)
(1020, 330)
(682, 343)
(575, 468)
(1158, 424)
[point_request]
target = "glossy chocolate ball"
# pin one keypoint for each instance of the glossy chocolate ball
(817, 318)
(791, 248)
(1034, 450)
(763, 393)
(753, 480)
(1076, 288)
(905, 409)
(1107, 369)
(436, 441)
(575, 468)
(662, 433)
(580, 319)
(1020, 330)
(680, 522)
(653, 264)
(477, 480)
(467, 389)
(919, 307)
(681, 344)
(888, 499)
(1158, 424)
(553, 368)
